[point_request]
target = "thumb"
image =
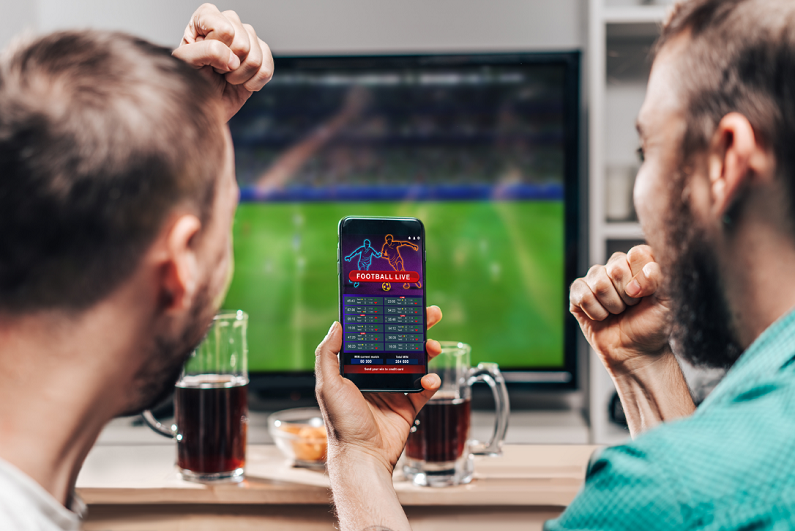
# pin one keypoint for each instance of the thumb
(326, 361)
(430, 384)
(647, 282)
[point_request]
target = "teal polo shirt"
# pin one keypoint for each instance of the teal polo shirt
(729, 466)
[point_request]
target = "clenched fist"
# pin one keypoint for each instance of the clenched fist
(229, 53)
(622, 310)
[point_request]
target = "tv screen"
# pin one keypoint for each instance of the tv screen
(482, 149)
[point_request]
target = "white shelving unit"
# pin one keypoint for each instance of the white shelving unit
(615, 98)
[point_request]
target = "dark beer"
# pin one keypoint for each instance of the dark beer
(440, 431)
(211, 413)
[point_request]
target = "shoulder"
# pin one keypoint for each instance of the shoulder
(730, 462)
(739, 448)
(627, 487)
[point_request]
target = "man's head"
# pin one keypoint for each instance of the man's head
(388, 238)
(115, 168)
(716, 130)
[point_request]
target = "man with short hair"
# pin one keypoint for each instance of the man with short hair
(117, 192)
(716, 198)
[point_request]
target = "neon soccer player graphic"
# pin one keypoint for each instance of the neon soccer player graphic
(391, 251)
(366, 254)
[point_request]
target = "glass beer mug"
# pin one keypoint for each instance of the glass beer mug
(439, 451)
(211, 404)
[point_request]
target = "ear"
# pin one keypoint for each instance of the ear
(179, 272)
(736, 158)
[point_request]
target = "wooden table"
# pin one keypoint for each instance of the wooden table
(137, 488)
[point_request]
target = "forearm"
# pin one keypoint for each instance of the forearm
(652, 393)
(363, 493)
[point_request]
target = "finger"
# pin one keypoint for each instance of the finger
(208, 23)
(433, 348)
(604, 290)
(326, 361)
(265, 72)
(251, 63)
(620, 275)
(208, 53)
(577, 312)
(430, 384)
(639, 256)
(434, 315)
(583, 298)
(241, 42)
(647, 282)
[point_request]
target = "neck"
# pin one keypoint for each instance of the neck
(59, 387)
(760, 287)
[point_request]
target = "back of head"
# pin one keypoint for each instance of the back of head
(102, 136)
(740, 58)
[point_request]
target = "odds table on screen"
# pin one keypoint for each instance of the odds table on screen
(389, 325)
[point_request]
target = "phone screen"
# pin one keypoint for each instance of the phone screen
(382, 303)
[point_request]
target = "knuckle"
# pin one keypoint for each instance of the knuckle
(601, 286)
(616, 257)
(258, 80)
(574, 297)
(254, 61)
(615, 271)
(241, 46)
(577, 294)
(216, 49)
(593, 271)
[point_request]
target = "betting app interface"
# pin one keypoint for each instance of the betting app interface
(383, 315)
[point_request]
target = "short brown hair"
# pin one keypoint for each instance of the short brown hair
(740, 58)
(101, 135)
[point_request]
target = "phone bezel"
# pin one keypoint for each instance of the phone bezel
(391, 383)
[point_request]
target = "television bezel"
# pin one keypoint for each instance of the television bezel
(282, 384)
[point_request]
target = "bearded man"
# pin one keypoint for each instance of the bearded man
(716, 198)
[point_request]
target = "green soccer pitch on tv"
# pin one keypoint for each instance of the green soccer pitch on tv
(483, 149)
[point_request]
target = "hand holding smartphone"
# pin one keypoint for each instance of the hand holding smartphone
(379, 345)
(381, 270)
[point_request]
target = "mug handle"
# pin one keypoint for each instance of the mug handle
(490, 374)
(157, 427)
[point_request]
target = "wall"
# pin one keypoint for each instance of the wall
(304, 27)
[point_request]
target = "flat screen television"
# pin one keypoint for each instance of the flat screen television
(482, 148)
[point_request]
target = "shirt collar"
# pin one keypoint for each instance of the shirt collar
(42, 500)
(773, 349)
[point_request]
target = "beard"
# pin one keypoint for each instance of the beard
(168, 353)
(702, 332)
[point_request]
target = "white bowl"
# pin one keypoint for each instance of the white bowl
(300, 434)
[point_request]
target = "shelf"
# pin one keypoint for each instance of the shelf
(622, 231)
(635, 14)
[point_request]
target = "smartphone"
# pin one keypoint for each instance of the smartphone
(381, 270)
